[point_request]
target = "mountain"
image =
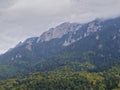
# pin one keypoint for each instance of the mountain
(100, 48)
(71, 56)
(43, 46)
(51, 42)
(93, 46)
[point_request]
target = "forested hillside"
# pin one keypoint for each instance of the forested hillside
(66, 79)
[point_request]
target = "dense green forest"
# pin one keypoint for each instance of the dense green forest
(66, 79)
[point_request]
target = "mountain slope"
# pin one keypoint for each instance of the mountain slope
(94, 46)
(102, 52)
(51, 42)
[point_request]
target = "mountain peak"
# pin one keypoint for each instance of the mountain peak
(62, 36)
(59, 31)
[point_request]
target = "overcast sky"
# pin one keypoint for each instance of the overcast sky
(20, 19)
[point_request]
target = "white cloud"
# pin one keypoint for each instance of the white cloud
(20, 19)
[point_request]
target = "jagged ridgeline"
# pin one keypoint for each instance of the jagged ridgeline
(71, 56)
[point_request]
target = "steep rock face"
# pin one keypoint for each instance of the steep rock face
(59, 31)
(70, 29)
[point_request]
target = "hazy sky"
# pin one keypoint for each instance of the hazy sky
(20, 19)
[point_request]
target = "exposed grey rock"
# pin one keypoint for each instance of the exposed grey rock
(59, 31)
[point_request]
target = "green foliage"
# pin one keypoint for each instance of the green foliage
(66, 80)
